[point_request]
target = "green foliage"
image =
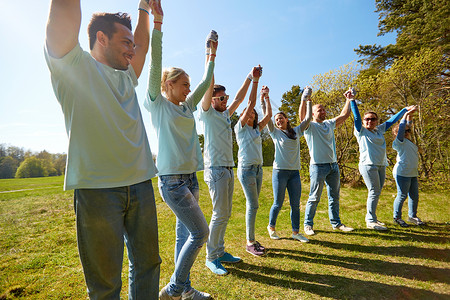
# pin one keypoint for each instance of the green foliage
(8, 167)
(419, 24)
(31, 167)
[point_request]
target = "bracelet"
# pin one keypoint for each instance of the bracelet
(157, 22)
(144, 10)
(212, 55)
(255, 81)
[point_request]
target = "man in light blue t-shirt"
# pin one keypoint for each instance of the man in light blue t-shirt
(109, 162)
(323, 166)
(219, 163)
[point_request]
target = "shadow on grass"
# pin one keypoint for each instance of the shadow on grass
(332, 286)
(396, 251)
(408, 271)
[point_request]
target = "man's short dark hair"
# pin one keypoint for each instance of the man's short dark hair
(105, 22)
(218, 88)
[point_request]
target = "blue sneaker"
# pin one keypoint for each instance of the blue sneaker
(228, 258)
(216, 267)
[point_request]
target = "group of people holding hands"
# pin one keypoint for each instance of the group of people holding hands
(110, 163)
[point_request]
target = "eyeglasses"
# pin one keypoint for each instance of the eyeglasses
(222, 98)
(370, 119)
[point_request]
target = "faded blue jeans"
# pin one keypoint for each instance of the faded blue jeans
(108, 217)
(181, 194)
(320, 174)
(250, 178)
(374, 177)
(282, 179)
(406, 186)
(220, 181)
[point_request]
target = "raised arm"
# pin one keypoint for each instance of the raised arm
(266, 108)
(141, 37)
(240, 96)
(256, 73)
(306, 95)
(406, 120)
(207, 98)
(305, 108)
(305, 122)
(356, 114)
(203, 86)
(63, 27)
(345, 113)
(154, 80)
(392, 120)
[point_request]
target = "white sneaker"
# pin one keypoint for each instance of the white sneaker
(376, 226)
(300, 238)
(380, 223)
(343, 228)
(195, 295)
(416, 221)
(272, 233)
(309, 230)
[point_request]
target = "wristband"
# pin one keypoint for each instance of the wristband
(212, 55)
(144, 10)
(250, 77)
(157, 22)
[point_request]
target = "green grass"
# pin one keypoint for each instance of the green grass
(39, 258)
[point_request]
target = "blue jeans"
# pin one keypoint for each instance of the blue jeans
(251, 181)
(220, 181)
(181, 194)
(320, 174)
(282, 179)
(374, 179)
(108, 217)
(406, 186)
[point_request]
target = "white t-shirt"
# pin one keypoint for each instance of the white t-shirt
(108, 145)
(321, 142)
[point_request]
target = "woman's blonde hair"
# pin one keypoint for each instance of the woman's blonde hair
(171, 74)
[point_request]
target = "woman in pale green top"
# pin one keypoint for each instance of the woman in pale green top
(171, 107)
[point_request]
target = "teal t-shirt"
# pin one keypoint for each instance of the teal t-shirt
(372, 146)
(218, 147)
(287, 150)
(108, 144)
(321, 142)
(178, 146)
(407, 158)
(250, 146)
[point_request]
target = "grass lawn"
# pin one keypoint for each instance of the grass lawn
(39, 257)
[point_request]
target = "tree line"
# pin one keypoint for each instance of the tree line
(15, 162)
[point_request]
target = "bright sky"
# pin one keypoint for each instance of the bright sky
(292, 40)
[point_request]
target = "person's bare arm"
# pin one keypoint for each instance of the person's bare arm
(240, 96)
(345, 113)
(267, 113)
(63, 27)
(252, 99)
(141, 38)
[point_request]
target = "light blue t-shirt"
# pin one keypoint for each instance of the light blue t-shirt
(250, 145)
(407, 158)
(178, 146)
(108, 145)
(218, 147)
(321, 142)
(372, 146)
(287, 150)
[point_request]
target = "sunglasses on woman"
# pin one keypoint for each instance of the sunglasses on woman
(370, 119)
(222, 98)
